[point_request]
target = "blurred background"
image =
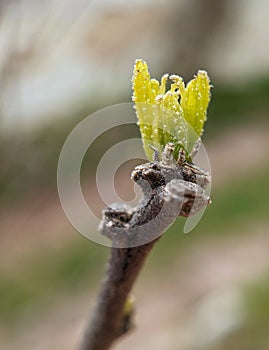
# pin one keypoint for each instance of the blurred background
(61, 61)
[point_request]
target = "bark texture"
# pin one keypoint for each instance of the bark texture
(170, 189)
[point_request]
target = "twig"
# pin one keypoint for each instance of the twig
(109, 321)
(170, 189)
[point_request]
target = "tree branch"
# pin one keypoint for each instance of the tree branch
(170, 189)
(110, 321)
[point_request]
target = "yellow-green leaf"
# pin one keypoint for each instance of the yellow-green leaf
(195, 100)
(176, 115)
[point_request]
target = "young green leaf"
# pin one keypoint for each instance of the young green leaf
(175, 115)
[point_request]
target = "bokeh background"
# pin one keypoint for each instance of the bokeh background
(61, 61)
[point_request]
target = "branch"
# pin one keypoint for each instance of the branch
(170, 189)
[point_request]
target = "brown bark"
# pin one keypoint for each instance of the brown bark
(170, 189)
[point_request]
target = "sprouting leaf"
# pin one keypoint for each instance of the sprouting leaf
(176, 115)
(195, 100)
